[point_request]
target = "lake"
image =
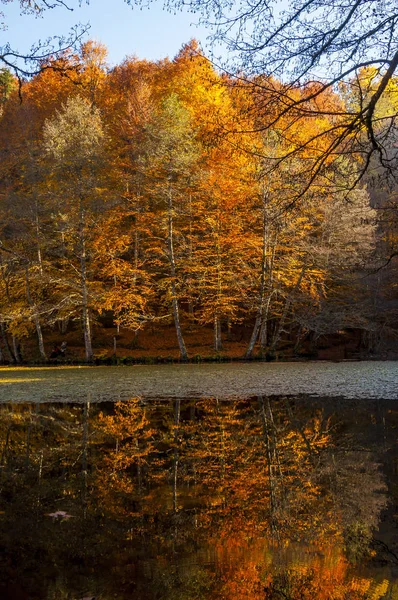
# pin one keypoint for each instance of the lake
(199, 482)
(378, 379)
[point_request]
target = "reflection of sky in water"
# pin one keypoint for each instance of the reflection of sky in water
(347, 379)
(198, 499)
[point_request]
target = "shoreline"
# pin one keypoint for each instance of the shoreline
(156, 360)
(159, 346)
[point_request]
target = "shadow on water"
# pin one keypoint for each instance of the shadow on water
(188, 499)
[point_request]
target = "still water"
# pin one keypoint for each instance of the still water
(378, 379)
(262, 489)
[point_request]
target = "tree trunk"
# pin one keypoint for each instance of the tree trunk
(136, 253)
(63, 325)
(39, 254)
(84, 288)
(261, 295)
(286, 308)
(217, 334)
(7, 343)
(175, 307)
(35, 313)
(190, 261)
(229, 329)
(16, 350)
(4, 451)
(254, 336)
(267, 267)
(299, 338)
(264, 324)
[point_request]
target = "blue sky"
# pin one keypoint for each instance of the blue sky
(148, 33)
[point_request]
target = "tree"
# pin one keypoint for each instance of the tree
(220, 239)
(7, 84)
(74, 139)
(200, 227)
(40, 57)
(127, 106)
(295, 59)
(173, 153)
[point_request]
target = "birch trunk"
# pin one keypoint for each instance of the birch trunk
(38, 233)
(264, 301)
(35, 314)
(217, 319)
(261, 296)
(264, 324)
(171, 257)
(190, 260)
(84, 287)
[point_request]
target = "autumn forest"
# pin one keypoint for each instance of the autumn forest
(150, 197)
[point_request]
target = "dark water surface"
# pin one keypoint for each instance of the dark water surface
(195, 497)
(378, 379)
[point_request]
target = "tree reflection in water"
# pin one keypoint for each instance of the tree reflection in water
(198, 499)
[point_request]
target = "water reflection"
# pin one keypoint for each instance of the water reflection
(198, 499)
